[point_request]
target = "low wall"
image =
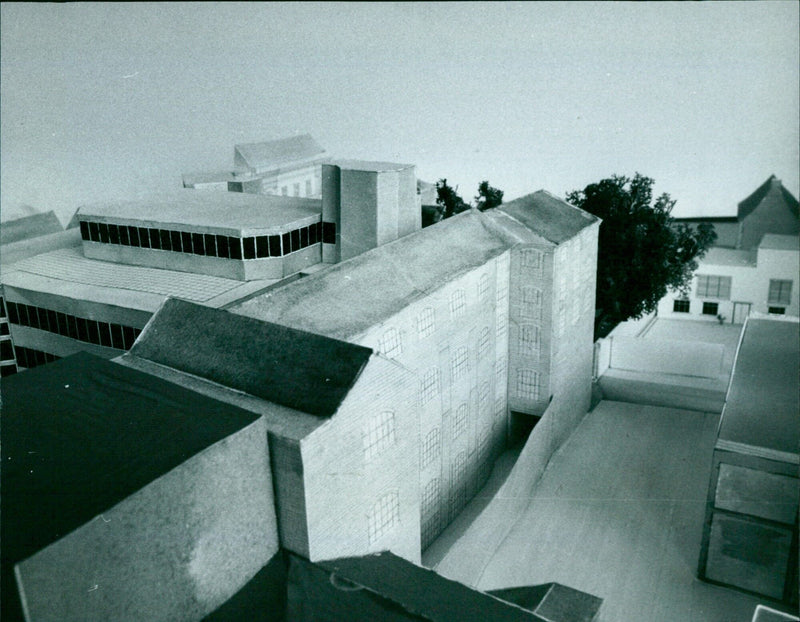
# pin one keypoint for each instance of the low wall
(684, 358)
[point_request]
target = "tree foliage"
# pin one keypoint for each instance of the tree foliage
(488, 196)
(641, 250)
(450, 202)
(447, 197)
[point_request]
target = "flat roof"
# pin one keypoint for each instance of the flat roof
(234, 212)
(349, 297)
(297, 369)
(81, 435)
(773, 241)
(549, 216)
(369, 165)
(763, 401)
(66, 272)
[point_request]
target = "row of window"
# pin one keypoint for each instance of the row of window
(296, 189)
(105, 334)
(210, 244)
(28, 357)
(712, 308)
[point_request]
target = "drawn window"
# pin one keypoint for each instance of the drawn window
(710, 286)
(429, 388)
(531, 302)
(431, 447)
(528, 384)
(460, 362)
(296, 189)
(458, 303)
(483, 288)
(460, 468)
(384, 515)
(460, 421)
(430, 498)
(502, 326)
(379, 434)
(483, 341)
(780, 292)
(391, 344)
(426, 322)
(532, 258)
(483, 398)
(529, 340)
(308, 188)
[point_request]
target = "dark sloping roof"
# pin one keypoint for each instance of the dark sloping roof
(548, 216)
(774, 187)
(422, 592)
(764, 396)
(29, 227)
(276, 153)
(82, 434)
(293, 368)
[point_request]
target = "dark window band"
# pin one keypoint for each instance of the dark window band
(99, 333)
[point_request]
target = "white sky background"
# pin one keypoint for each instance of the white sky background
(102, 101)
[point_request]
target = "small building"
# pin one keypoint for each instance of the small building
(341, 423)
(126, 497)
(750, 530)
(492, 312)
(287, 166)
(771, 208)
(729, 284)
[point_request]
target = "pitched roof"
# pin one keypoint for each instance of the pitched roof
(550, 217)
(773, 241)
(29, 227)
(423, 593)
(276, 153)
(82, 434)
(350, 297)
(225, 212)
(766, 372)
(772, 191)
(293, 368)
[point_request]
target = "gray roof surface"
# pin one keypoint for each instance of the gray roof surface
(773, 241)
(548, 216)
(764, 398)
(369, 165)
(296, 369)
(68, 273)
(720, 256)
(348, 298)
(770, 195)
(17, 251)
(29, 227)
(276, 153)
(232, 211)
(82, 434)
(423, 593)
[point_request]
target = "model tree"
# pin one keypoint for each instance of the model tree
(488, 196)
(641, 250)
(449, 200)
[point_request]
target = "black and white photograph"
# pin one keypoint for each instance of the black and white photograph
(395, 311)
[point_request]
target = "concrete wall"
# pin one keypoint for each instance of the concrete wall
(175, 550)
(344, 481)
(289, 485)
(427, 340)
(685, 358)
(357, 229)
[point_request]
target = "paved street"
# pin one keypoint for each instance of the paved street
(618, 514)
